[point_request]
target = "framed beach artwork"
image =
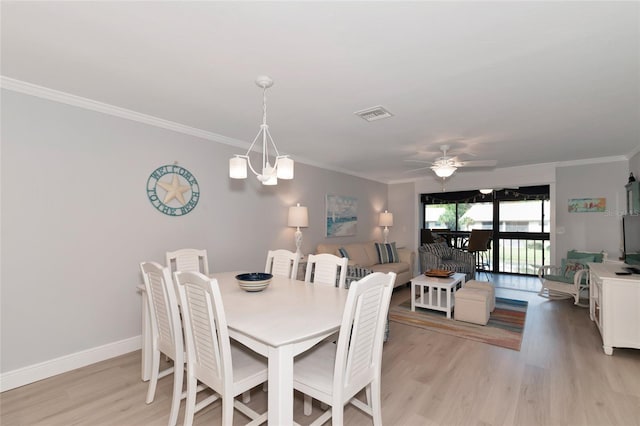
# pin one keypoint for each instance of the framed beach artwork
(587, 205)
(342, 216)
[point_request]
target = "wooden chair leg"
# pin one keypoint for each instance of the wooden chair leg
(190, 406)
(176, 397)
(375, 402)
(153, 382)
(227, 410)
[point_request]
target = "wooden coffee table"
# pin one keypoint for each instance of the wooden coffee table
(435, 293)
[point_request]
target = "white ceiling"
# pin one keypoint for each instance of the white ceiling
(517, 82)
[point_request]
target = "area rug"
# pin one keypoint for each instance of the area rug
(505, 327)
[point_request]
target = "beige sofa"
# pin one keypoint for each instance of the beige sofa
(364, 254)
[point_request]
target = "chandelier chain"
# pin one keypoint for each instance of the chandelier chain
(264, 106)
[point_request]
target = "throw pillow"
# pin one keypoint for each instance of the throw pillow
(387, 253)
(343, 252)
(559, 278)
(580, 255)
(584, 260)
(572, 266)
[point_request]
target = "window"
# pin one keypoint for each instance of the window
(457, 211)
(519, 218)
(434, 216)
(477, 216)
(524, 216)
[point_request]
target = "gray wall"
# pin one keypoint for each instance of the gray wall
(76, 221)
(401, 201)
(591, 231)
(634, 165)
(584, 231)
(511, 177)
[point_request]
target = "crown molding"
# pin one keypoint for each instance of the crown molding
(633, 152)
(308, 162)
(557, 164)
(587, 161)
(89, 104)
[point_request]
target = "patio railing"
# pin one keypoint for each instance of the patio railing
(515, 253)
(521, 253)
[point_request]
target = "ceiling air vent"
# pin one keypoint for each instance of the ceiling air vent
(374, 113)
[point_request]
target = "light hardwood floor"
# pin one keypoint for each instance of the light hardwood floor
(560, 376)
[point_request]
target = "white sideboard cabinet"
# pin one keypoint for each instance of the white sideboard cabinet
(614, 305)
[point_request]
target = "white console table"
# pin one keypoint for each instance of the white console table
(614, 305)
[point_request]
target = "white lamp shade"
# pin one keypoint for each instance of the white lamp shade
(486, 191)
(386, 219)
(444, 170)
(285, 168)
(238, 168)
(298, 216)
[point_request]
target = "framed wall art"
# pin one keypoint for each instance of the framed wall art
(173, 190)
(342, 216)
(587, 205)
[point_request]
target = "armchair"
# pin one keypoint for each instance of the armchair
(570, 278)
(441, 256)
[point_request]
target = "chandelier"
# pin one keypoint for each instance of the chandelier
(267, 174)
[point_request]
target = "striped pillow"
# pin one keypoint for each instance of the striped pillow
(343, 252)
(387, 253)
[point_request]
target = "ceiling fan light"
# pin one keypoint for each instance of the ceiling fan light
(444, 170)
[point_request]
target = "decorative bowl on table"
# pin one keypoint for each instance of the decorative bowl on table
(438, 273)
(254, 281)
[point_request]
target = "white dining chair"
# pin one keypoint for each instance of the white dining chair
(227, 367)
(283, 263)
(335, 373)
(188, 260)
(326, 268)
(166, 332)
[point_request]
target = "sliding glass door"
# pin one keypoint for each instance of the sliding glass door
(523, 236)
(519, 218)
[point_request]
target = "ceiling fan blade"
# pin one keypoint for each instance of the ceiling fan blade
(477, 163)
(418, 169)
(419, 161)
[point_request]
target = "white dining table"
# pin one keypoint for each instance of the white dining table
(280, 322)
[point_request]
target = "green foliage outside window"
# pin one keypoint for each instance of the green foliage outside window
(448, 217)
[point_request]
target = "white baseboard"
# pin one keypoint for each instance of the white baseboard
(33, 373)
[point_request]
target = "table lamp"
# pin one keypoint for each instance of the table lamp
(386, 220)
(298, 217)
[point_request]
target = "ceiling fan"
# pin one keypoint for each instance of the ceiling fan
(445, 166)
